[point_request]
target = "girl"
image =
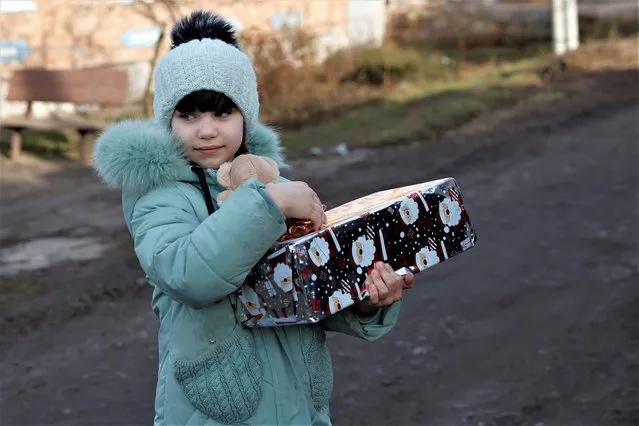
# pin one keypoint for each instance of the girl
(211, 370)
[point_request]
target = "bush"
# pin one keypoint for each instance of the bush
(285, 69)
(296, 89)
(375, 65)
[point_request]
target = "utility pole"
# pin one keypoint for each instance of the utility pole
(572, 19)
(565, 20)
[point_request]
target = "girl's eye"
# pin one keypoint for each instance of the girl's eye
(224, 113)
(187, 116)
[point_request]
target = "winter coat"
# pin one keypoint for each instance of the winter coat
(211, 370)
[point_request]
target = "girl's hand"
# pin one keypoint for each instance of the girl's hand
(384, 286)
(297, 200)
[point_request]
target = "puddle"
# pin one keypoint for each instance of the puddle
(46, 252)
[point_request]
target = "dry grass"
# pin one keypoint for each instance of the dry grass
(600, 55)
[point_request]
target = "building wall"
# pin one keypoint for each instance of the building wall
(62, 40)
(59, 39)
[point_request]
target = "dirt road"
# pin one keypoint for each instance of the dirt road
(536, 325)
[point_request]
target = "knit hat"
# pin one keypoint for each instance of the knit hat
(205, 56)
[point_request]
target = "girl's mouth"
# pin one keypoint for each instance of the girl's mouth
(208, 150)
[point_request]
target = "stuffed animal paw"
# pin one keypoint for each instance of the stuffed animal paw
(245, 167)
(250, 166)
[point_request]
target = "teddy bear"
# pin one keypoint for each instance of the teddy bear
(250, 166)
(244, 167)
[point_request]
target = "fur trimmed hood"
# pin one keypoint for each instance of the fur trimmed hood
(139, 155)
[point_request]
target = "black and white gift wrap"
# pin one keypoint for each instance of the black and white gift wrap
(307, 279)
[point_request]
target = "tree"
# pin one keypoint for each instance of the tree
(82, 31)
(49, 17)
(161, 13)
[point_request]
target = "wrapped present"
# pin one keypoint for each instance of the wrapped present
(306, 279)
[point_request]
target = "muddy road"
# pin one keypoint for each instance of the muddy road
(536, 325)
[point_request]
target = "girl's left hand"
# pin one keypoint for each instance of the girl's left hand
(384, 286)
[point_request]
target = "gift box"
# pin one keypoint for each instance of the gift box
(304, 280)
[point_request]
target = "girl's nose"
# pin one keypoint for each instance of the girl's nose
(208, 127)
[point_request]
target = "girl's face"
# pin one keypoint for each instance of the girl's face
(209, 138)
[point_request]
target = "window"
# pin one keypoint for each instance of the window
(118, 1)
(129, 1)
(14, 6)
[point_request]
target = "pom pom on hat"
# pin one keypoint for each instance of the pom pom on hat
(202, 24)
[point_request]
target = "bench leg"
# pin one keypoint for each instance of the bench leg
(16, 144)
(83, 148)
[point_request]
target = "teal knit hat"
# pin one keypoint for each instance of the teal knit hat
(211, 60)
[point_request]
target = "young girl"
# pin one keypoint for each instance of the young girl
(211, 370)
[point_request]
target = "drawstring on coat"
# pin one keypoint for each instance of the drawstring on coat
(205, 188)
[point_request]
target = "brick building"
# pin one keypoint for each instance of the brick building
(66, 34)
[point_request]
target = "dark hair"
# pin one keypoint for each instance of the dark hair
(202, 24)
(205, 101)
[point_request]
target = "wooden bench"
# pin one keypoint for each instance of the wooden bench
(107, 88)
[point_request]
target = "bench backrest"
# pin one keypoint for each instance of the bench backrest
(84, 86)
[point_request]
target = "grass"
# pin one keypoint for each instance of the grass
(51, 144)
(44, 143)
(499, 54)
(421, 111)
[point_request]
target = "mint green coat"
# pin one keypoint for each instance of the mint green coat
(211, 371)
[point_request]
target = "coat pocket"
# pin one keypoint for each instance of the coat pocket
(225, 383)
(319, 365)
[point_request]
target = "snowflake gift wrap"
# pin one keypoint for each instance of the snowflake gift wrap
(309, 278)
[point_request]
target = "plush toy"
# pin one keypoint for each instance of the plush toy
(244, 167)
(250, 166)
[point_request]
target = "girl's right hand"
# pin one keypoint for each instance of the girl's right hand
(297, 200)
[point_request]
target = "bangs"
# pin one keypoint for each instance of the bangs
(205, 101)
